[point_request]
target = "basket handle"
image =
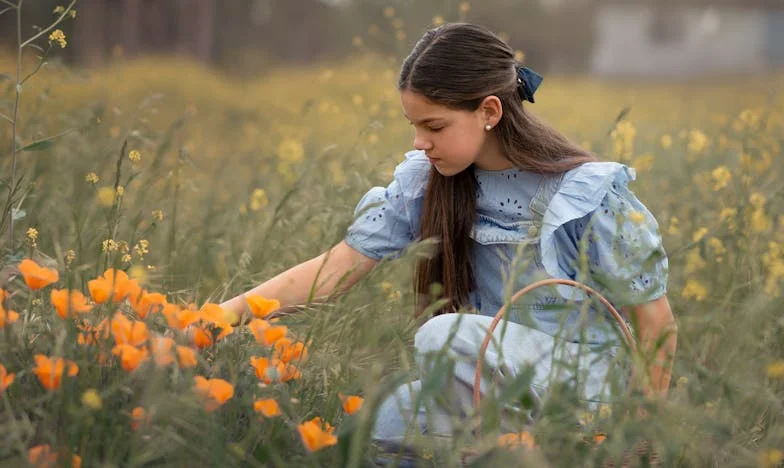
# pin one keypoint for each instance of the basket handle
(502, 311)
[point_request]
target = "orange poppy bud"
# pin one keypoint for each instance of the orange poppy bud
(351, 403)
(6, 379)
(139, 418)
(36, 276)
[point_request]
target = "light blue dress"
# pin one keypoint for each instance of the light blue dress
(529, 226)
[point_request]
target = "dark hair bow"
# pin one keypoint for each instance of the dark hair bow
(527, 82)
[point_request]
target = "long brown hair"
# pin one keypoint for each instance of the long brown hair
(458, 65)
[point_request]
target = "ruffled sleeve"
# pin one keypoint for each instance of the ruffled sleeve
(386, 220)
(595, 212)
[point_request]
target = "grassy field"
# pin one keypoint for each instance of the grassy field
(200, 185)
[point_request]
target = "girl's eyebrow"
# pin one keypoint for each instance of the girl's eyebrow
(427, 120)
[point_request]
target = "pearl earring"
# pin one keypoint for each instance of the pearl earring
(488, 127)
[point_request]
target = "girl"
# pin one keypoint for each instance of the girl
(510, 201)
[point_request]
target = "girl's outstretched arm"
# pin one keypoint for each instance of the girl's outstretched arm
(655, 324)
(340, 264)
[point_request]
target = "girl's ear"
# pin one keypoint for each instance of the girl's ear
(490, 110)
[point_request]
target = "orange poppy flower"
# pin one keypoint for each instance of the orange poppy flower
(316, 434)
(261, 365)
(131, 357)
(287, 351)
(36, 276)
(7, 317)
(50, 370)
(217, 317)
(178, 317)
(126, 331)
(351, 403)
(599, 438)
(5, 378)
(268, 407)
(287, 372)
(265, 333)
(186, 357)
(514, 440)
(4, 294)
(139, 418)
(147, 302)
(42, 456)
(260, 306)
(201, 338)
(216, 392)
(162, 350)
(69, 302)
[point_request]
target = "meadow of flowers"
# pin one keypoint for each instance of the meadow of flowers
(169, 187)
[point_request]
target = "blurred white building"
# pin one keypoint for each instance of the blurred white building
(678, 39)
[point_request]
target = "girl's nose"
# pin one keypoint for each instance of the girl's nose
(421, 143)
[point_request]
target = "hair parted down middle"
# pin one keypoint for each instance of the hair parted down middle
(458, 65)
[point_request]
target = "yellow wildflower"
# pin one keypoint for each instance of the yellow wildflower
(694, 261)
(58, 36)
(519, 56)
(92, 399)
(674, 227)
(605, 411)
(109, 245)
(126, 258)
(757, 200)
(258, 199)
(681, 382)
(291, 151)
(32, 236)
(698, 141)
(717, 246)
(438, 20)
(105, 196)
(70, 256)
(91, 178)
(643, 162)
(694, 290)
(666, 141)
(721, 177)
(157, 215)
(135, 156)
(389, 12)
(775, 370)
(699, 234)
(760, 222)
(120, 190)
(623, 139)
(464, 7)
(142, 247)
(771, 458)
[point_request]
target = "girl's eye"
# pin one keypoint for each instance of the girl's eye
(436, 129)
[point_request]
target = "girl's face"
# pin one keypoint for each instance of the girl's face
(454, 139)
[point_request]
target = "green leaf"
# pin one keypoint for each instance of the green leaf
(38, 146)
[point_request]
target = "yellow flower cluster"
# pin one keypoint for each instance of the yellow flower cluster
(58, 36)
